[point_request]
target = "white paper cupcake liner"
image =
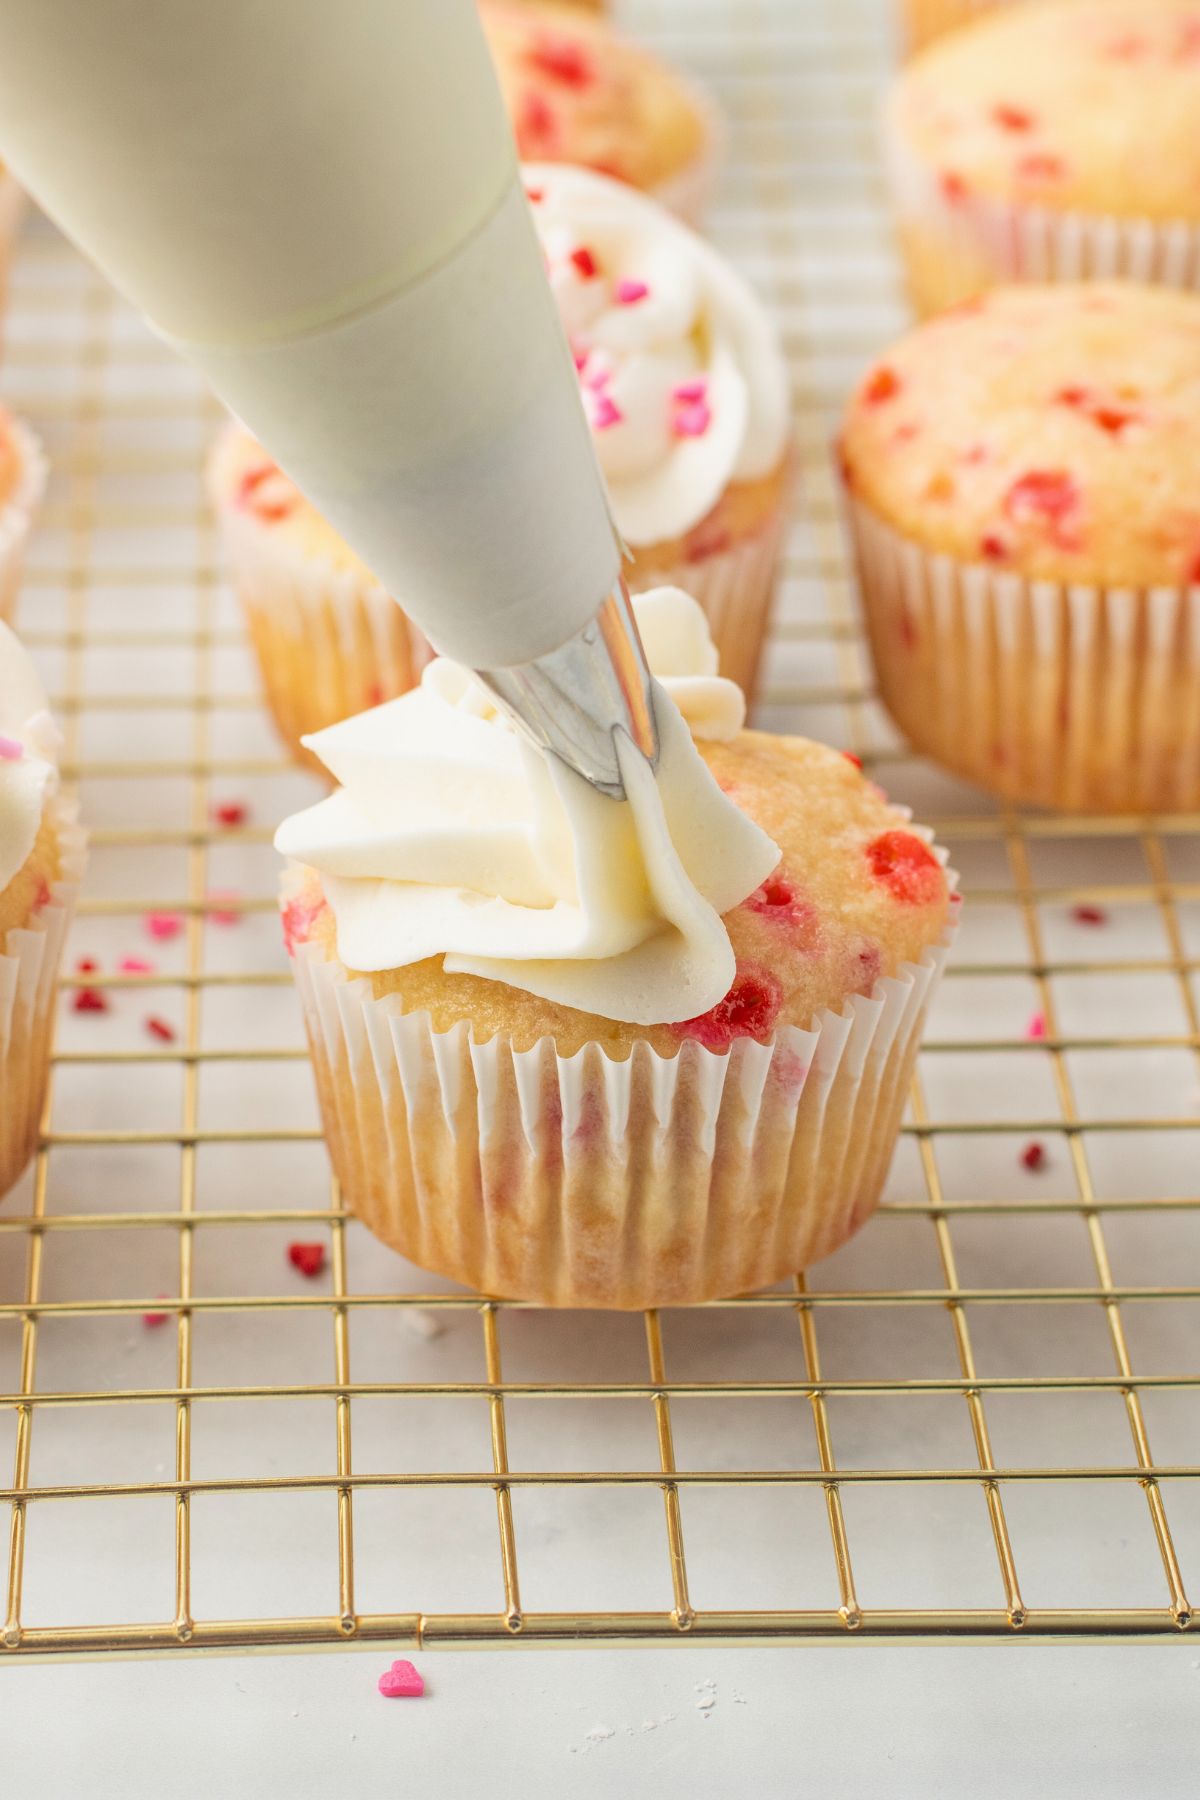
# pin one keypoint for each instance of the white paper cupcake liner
(955, 246)
(735, 587)
(582, 1181)
(1076, 697)
(688, 193)
(18, 510)
(330, 642)
(29, 964)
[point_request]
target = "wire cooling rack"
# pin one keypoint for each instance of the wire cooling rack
(977, 1420)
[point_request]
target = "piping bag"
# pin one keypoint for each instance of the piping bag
(318, 203)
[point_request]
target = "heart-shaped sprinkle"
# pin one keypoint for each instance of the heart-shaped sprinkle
(308, 1258)
(401, 1682)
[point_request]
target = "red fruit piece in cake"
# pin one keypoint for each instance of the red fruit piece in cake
(300, 915)
(907, 867)
(1012, 118)
(563, 58)
(749, 1009)
(881, 386)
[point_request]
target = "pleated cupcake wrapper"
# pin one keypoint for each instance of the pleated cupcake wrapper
(957, 245)
(688, 193)
(30, 956)
(735, 587)
(1082, 697)
(17, 511)
(582, 1181)
(330, 642)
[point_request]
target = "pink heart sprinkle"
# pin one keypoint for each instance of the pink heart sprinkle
(401, 1682)
(628, 292)
(691, 391)
(693, 420)
(11, 750)
(605, 413)
(164, 925)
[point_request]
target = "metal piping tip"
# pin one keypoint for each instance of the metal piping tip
(573, 700)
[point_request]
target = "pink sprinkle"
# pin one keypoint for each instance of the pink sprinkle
(158, 1028)
(223, 915)
(11, 750)
(152, 1320)
(630, 292)
(581, 358)
(135, 965)
(605, 413)
(1036, 1028)
(585, 262)
(164, 925)
(691, 392)
(1089, 915)
(693, 420)
(401, 1682)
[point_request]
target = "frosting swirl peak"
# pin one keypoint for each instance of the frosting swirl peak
(451, 834)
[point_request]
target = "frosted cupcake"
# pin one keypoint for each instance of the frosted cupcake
(593, 1053)
(1022, 495)
(687, 393)
(329, 640)
(41, 863)
(579, 93)
(22, 484)
(1051, 142)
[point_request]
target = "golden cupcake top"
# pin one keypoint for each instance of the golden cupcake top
(1063, 105)
(248, 487)
(1054, 431)
(577, 92)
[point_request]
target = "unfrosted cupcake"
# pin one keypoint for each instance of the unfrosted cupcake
(577, 92)
(41, 863)
(1024, 504)
(22, 484)
(593, 1053)
(329, 640)
(688, 397)
(924, 20)
(1051, 142)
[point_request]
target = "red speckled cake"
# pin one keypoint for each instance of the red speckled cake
(582, 1132)
(1021, 488)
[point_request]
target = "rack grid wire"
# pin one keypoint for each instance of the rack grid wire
(978, 1421)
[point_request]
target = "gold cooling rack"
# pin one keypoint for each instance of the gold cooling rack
(978, 1421)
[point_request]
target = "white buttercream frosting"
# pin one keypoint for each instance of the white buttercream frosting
(29, 746)
(451, 834)
(685, 384)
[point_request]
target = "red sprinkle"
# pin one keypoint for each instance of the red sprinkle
(1036, 1028)
(852, 757)
(908, 867)
(87, 965)
(90, 1000)
(585, 262)
(164, 925)
(1089, 915)
(1033, 1157)
(308, 1258)
(564, 58)
(883, 385)
(749, 1009)
(159, 1028)
(401, 1682)
(1012, 118)
(231, 812)
(628, 293)
(152, 1320)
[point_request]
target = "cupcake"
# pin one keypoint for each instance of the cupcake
(688, 397)
(924, 20)
(579, 93)
(41, 863)
(329, 640)
(598, 1053)
(22, 484)
(1021, 479)
(1052, 142)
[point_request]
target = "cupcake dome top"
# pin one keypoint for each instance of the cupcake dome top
(1066, 105)
(1054, 431)
(577, 92)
